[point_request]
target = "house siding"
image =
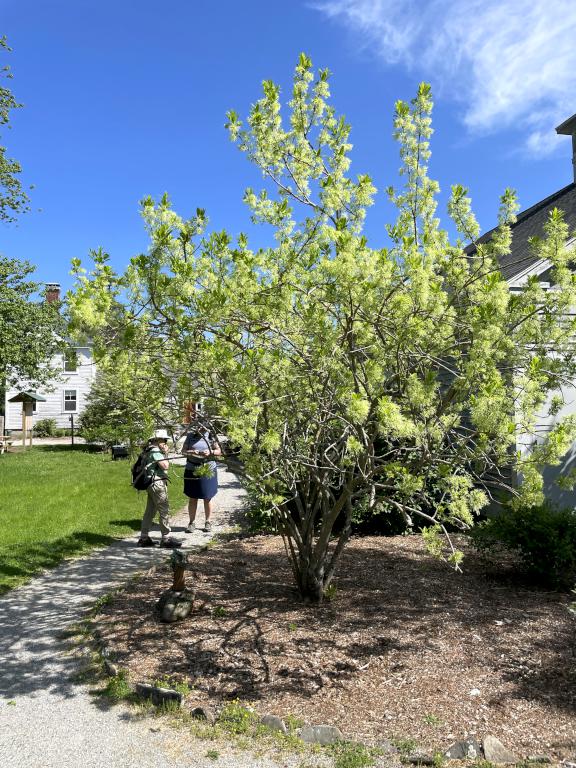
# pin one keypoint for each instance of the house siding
(80, 381)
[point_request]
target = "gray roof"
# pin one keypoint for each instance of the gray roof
(530, 223)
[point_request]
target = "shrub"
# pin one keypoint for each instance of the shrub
(45, 428)
(383, 519)
(543, 536)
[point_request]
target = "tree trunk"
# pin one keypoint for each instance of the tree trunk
(310, 583)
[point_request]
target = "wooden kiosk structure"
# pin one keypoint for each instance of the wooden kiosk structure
(27, 399)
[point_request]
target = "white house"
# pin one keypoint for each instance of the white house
(520, 264)
(67, 394)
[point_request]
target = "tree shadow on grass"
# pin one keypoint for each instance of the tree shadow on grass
(133, 523)
(76, 448)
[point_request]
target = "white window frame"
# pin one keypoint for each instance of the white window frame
(65, 361)
(65, 401)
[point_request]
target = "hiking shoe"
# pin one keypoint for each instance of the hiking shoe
(147, 542)
(208, 526)
(170, 543)
(190, 528)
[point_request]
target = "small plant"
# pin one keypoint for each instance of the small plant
(431, 719)
(404, 746)
(219, 611)
(482, 764)
(349, 754)
(45, 428)
(293, 723)
(330, 592)
(213, 754)
(292, 627)
(117, 688)
(181, 686)
(236, 719)
(103, 600)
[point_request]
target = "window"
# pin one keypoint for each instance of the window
(70, 360)
(69, 399)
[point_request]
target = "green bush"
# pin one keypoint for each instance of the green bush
(45, 428)
(382, 520)
(543, 536)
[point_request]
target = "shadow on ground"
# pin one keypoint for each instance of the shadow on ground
(27, 560)
(251, 638)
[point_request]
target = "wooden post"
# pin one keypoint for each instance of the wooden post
(23, 425)
(29, 409)
(178, 561)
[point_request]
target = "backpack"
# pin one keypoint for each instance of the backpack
(141, 477)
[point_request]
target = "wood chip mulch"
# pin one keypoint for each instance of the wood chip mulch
(407, 648)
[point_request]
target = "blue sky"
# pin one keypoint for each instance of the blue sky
(125, 99)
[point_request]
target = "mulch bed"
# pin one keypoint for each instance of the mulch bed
(407, 648)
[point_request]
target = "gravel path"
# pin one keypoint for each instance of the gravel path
(47, 720)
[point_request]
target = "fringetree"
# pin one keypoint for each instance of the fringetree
(340, 371)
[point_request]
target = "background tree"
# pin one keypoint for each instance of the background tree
(13, 199)
(31, 329)
(343, 371)
(125, 405)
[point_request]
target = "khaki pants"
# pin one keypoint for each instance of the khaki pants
(157, 502)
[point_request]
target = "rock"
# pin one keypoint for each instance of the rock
(157, 695)
(175, 606)
(110, 668)
(568, 763)
(320, 734)
(274, 723)
(496, 752)
(420, 759)
(200, 713)
(461, 750)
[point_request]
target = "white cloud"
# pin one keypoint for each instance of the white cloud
(506, 61)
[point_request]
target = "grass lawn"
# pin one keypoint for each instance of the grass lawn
(61, 501)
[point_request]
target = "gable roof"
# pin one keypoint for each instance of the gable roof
(528, 224)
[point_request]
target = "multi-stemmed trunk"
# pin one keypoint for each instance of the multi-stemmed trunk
(313, 547)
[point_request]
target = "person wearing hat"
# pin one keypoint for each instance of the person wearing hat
(157, 466)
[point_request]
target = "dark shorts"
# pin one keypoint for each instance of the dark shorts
(199, 487)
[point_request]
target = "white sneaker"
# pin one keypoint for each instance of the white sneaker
(190, 528)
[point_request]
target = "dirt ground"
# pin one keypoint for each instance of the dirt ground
(407, 648)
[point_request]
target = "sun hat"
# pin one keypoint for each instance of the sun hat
(160, 434)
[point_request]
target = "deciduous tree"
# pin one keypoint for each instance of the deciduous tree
(13, 199)
(342, 370)
(31, 329)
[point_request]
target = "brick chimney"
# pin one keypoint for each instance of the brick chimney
(568, 128)
(52, 292)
